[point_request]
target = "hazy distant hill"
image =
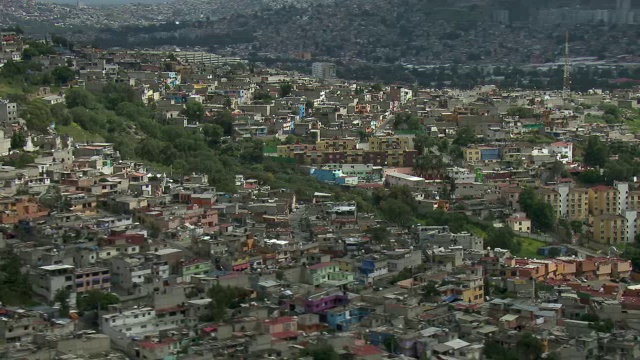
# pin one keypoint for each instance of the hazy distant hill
(384, 31)
(104, 2)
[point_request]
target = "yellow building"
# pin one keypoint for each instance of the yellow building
(578, 204)
(337, 144)
(609, 229)
(519, 223)
(603, 200)
(471, 155)
(290, 150)
(552, 197)
(382, 143)
(633, 201)
(472, 290)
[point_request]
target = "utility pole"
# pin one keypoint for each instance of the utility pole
(567, 70)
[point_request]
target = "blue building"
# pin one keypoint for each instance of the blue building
(489, 153)
(325, 175)
(546, 250)
(343, 318)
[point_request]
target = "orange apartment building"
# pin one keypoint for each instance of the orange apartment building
(20, 208)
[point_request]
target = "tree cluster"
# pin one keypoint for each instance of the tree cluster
(225, 298)
(407, 121)
(538, 210)
(15, 288)
(528, 347)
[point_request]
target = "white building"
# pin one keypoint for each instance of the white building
(53, 99)
(136, 322)
(404, 179)
(323, 70)
(461, 175)
(8, 111)
(563, 151)
(47, 280)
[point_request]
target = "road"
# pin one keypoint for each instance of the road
(384, 125)
(295, 220)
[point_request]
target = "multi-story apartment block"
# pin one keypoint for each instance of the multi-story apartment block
(382, 143)
(610, 229)
(8, 111)
(633, 200)
(603, 200)
(47, 280)
(336, 144)
(323, 70)
(553, 197)
(578, 204)
(92, 279)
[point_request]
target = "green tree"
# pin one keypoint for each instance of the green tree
(378, 234)
(529, 347)
(539, 211)
(503, 238)
(320, 352)
(407, 121)
(38, 116)
(521, 111)
(15, 288)
(60, 114)
(224, 298)
(285, 89)
(227, 102)
(18, 140)
(391, 344)
(252, 151)
(96, 299)
(465, 136)
(77, 97)
(224, 119)
(194, 111)
(61, 297)
(397, 212)
(429, 290)
(62, 75)
(591, 177)
(596, 153)
(19, 161)
(262, 96)
(495, 351)
(576, 226)
(213, 134)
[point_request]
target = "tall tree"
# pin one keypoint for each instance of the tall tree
(18, 140)
(63, 75)
(285, 89)
(194, 111)
(465, 136)
(596, 153)
(61, 297)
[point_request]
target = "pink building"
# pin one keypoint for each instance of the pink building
(280, 328)
(92, 278)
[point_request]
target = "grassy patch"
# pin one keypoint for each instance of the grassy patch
(593, 119)
(6, 89)
(477, 231)
(634, 125)
(529, 247)
(78, 134)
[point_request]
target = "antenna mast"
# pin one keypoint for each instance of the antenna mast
(567, 69)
